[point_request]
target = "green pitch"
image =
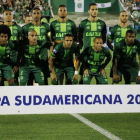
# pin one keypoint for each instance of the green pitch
(126, 126)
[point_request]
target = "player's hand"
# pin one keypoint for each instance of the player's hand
(86, 72)
(138, 79)
(102, 71)
(15, 69)
(75, 77)
(116, 78)
(53, 76)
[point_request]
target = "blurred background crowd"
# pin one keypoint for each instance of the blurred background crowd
(21, 8)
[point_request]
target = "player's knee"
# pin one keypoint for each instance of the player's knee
(53, 82)
(74, 82)
(10, 81)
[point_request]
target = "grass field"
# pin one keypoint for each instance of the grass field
(66, 127)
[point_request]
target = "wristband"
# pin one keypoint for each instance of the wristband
(76, 73)
(139, 73)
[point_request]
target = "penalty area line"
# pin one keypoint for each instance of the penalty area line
(96, 127)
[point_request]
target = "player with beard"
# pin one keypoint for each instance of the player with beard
(125, 61)
(43, 33)
(61, 27)
(118, 32)
(91, 28)
(97, 59)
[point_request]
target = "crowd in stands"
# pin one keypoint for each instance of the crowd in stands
(23, 7)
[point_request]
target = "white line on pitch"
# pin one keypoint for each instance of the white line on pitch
(96, 127)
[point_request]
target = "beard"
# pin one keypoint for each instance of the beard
(62, 16)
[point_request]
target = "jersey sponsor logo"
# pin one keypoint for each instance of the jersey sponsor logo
(93, 33)
(68, 28)
(99, 27)
(54, 50)
(60, 34)
(88, 27)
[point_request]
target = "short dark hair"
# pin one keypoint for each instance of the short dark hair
(62, 6)
(130, 32)
(36, 8)
(4, 29)
(122, 11)
(68, 35)
(27, 15)
(8, 10)
(92, 4)
(98, 38)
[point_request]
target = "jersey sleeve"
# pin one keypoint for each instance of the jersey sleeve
(111, 35)
(81, 28)
(104, 31)
(52, 32)
(117, 49)
(74, 31)
(55, 51)
(108, 54)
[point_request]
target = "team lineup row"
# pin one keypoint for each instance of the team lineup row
(26, 50)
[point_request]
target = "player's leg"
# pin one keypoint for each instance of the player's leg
(8, 74)
(101, 79)
(39, 76)
(1, 79)
(69, 74)
(58, 72)
(30, 79)
(23, 75)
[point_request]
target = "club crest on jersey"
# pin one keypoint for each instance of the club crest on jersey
(68, 28)
(42, 31)
(88, 27)
(15, 31)
(54, 50)
(57, 28)
(99, 27)
(118, 33)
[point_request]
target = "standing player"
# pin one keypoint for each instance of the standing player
(61, 27)
(97, 59)
(61, 60)
(118, 32)
(6, 59)
(125, 59)
(16, 33)
(28, 19)
(32, 54)
(89, 29)
(43, 32)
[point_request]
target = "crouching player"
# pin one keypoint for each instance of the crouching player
(7, 49)
(62, 61)
(97, 58)
(32, 55)
(125, 61)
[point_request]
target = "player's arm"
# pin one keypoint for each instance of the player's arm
(116, 77)
(19, 57)
(53, 56)
(104, 31)
(110, 39)
(138, 77)
(107, 60)
(80, 35)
